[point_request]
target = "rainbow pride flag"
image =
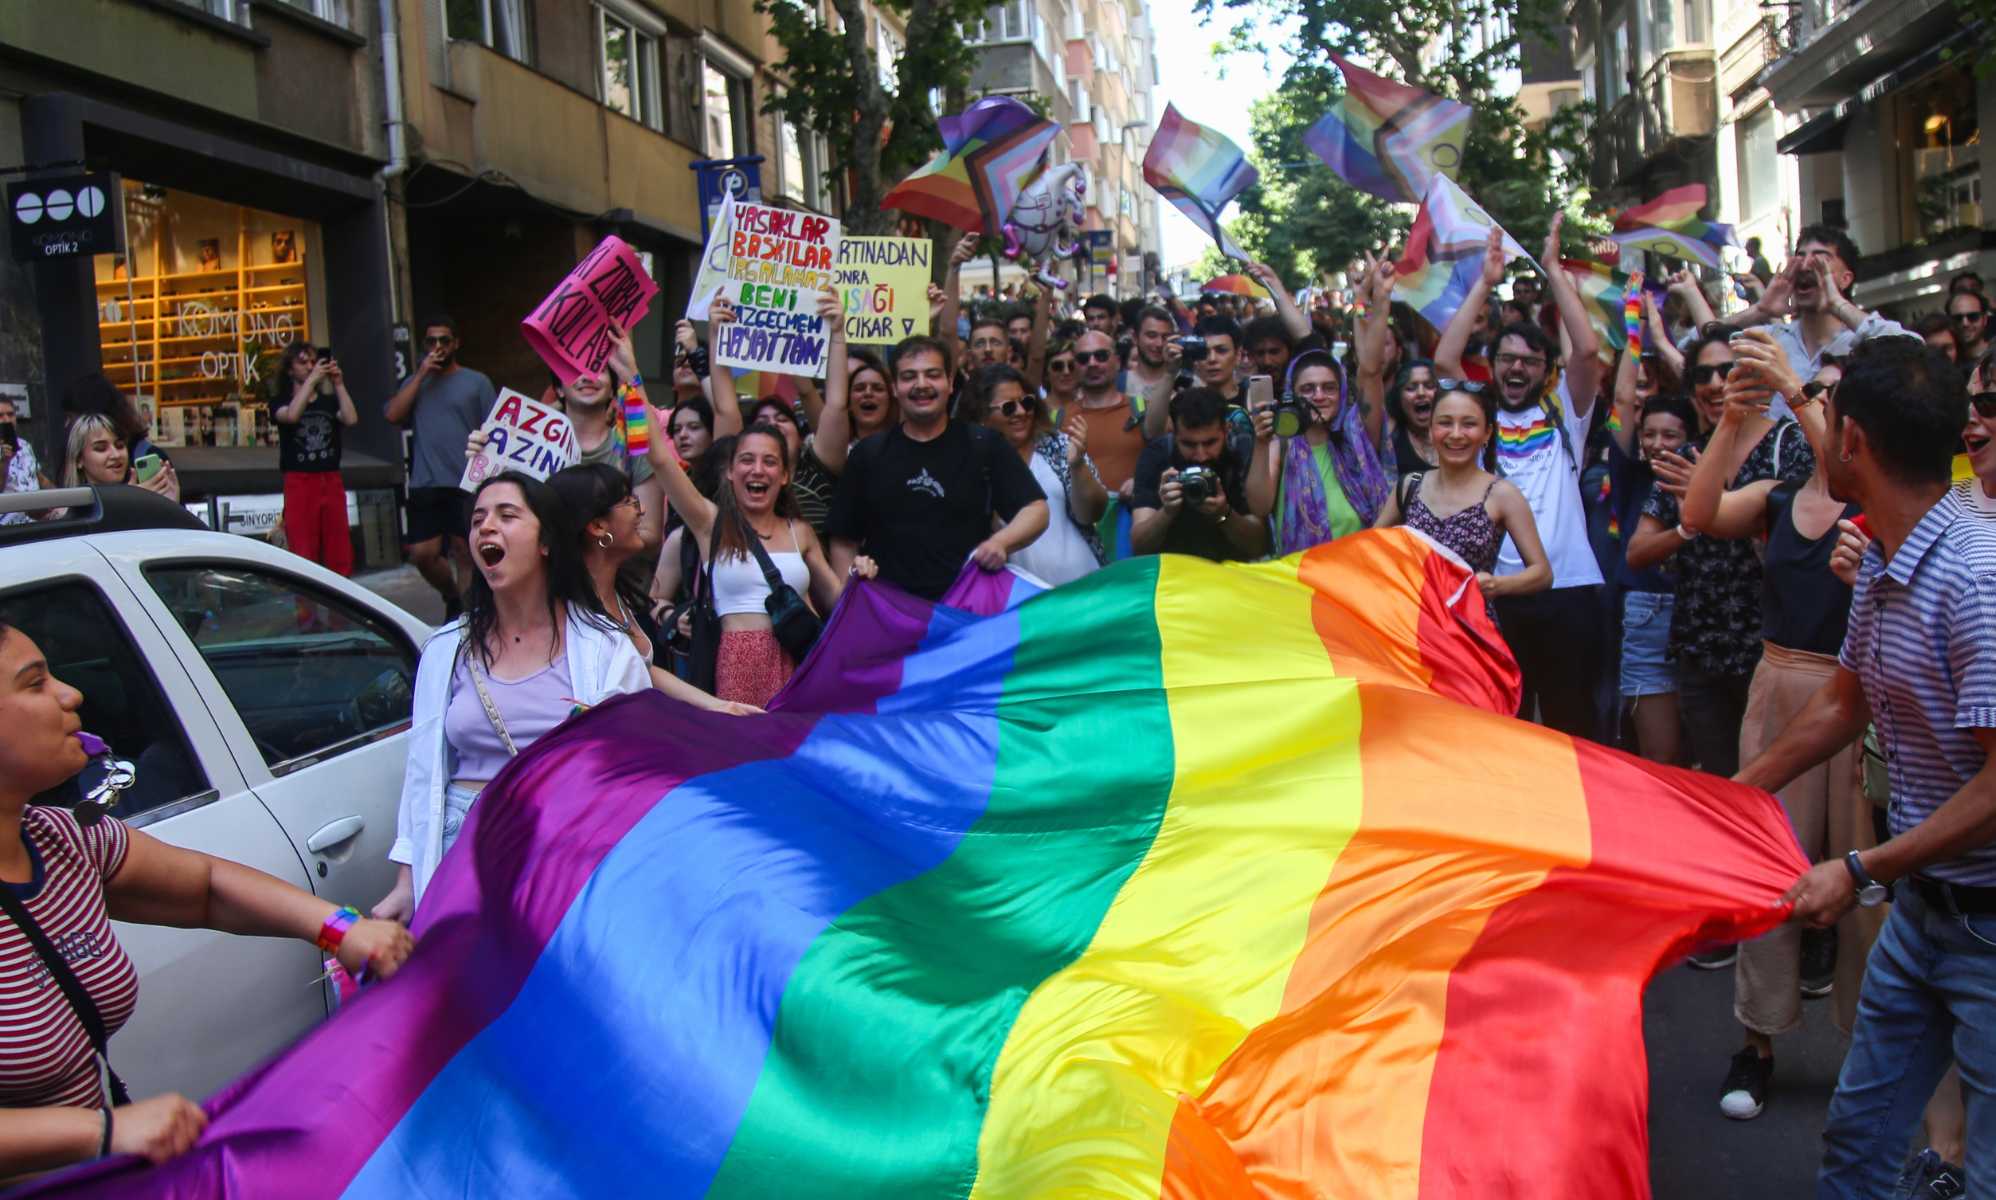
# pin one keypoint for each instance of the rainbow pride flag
(1444, 253)
(1387, 138)
(1200, 172)
(991, 151)
(1602, 291)
(1180, 880)
(1670, 226)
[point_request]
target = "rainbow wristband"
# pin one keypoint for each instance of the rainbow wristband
(334, 931)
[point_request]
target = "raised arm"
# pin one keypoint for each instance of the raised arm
(961, 253)
(831, 429)
(1659, 336)
(1627, 414)
(349, 415)
(721, 380)
(1264, 476)
(1455, 339)
(293, 410)
(1685, 286)
(1583, 363)
(1036, 344)
(1293, 319)
(1378, 285)
(693, 508)
(403, 402)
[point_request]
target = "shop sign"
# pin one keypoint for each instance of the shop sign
(257, 515)
(67, 216)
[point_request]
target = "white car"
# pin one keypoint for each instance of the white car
(265, 702)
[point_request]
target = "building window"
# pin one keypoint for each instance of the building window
(1697, 23)
(336, 12)
(503, 25)
(228, 10)
(1011, 21)
(887, 51)
(1620, 67)
(798, 155)
(1760, 187)
(629, 54)
(727, 111)
(1940, 133)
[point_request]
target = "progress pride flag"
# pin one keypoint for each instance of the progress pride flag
(570, 329)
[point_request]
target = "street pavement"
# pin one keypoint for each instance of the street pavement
(1695, 1153)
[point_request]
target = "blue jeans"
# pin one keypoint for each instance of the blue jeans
(1929, 995)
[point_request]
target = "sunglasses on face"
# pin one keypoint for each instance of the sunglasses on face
(1013, 408)
(1473, 386)
(1093, 356)
(1711, 371)
(1062, 365)
(1968, 318)
(1984, 404)
(437, 341)
(1815, 388)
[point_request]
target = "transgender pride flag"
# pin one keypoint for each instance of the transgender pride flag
(1200, 172)
(1445, 252)
(1387, 138)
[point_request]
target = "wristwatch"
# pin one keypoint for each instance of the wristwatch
(1870, 892)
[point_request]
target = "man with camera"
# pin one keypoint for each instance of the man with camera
(1189, 494)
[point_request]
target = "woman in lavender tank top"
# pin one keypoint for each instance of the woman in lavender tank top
(1461, 504)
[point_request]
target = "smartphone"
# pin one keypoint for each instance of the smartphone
(325, 381)
(1260, 392)
(146, 466)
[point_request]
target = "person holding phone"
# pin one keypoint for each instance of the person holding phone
(1325, 480)
(97, 456)
(309, 427)
(441, 403)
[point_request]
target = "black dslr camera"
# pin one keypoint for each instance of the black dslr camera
(1192, 349)
(1200, 484)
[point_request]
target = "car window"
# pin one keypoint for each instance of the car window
(90, 649)
(309, 673)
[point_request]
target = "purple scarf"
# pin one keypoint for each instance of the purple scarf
(1306, 518)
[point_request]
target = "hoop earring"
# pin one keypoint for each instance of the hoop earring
(1844, 457)
(603, 542)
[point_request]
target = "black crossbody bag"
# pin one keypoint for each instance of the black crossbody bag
(72, 989)
(797, 627)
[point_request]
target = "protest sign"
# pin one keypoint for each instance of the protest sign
(778, 262)
(711, 280)
(522, 435)
(570, 329)
(884, 282)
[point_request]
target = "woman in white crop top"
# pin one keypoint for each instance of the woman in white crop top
(754, 500)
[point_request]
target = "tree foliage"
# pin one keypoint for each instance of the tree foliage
(876, 134)
(1301, 217)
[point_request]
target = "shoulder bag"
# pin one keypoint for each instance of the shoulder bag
(72, 990)
(797, 627)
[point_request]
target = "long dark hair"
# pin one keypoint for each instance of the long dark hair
(588, 492)
(567, 582)
(977, 400)
(1396, 404)
(731, 526)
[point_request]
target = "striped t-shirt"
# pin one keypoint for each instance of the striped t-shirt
(45, 1056)
(1922, 641)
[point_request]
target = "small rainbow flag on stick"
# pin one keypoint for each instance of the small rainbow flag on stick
(1387, 138)
(914, 934)
(1445, 252)
(1200, 172)
(637, 426)
(991, 151)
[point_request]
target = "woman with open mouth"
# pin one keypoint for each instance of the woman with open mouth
(1410, 405)
(754, 501)
(533, 645)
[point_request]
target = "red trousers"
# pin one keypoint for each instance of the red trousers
(315, 519)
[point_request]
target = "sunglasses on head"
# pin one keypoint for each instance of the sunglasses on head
(1093, 356)
(1707, 372)
(1474, 387)
(1984, 404)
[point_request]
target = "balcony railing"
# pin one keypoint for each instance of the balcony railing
(1676, 101)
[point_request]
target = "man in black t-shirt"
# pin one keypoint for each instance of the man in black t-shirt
(924, 495)
(1164, 520)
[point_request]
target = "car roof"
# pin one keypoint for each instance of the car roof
(111, 509)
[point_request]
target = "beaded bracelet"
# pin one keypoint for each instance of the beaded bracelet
(334, 931)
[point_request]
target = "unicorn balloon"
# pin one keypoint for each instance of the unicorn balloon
(1046, 220)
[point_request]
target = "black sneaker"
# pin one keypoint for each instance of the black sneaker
(1716, 959)
(1819, 962)
(1930, 1177)
(1744, 1093)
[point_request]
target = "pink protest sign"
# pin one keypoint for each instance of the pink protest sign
(570, 329)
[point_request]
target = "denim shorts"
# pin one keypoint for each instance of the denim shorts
(1646, 667)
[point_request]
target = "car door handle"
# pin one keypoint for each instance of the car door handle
(333, 833)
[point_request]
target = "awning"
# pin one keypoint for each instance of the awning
(1824, 132)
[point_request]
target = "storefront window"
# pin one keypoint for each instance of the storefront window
(1945, 141)
(194, 317)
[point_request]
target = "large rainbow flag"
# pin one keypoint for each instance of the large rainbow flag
(991, 151)
(1444, 253)
(1183, 880)
(1200, 172)
(1670, 225)
(1387, 138)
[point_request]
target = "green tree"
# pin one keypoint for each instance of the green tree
(877, 134)
(1301, 216)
